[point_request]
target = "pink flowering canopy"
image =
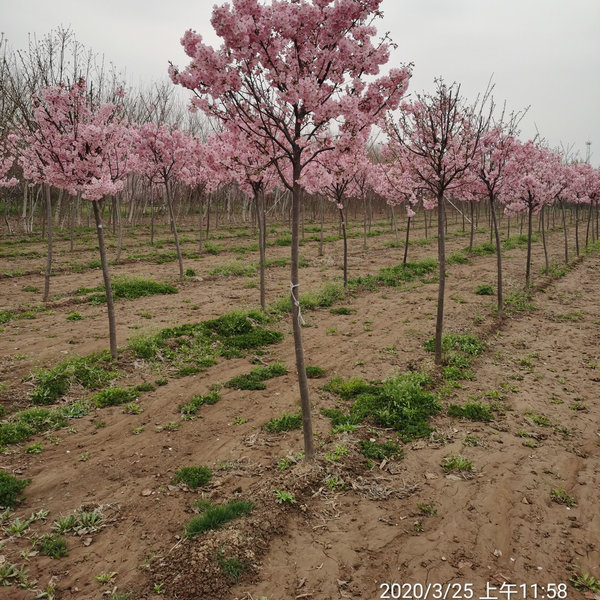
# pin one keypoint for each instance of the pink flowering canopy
(287, 70)
(75, 145)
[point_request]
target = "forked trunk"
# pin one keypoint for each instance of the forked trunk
(110, 305)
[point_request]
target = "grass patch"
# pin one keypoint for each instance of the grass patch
(456, 462)
(396, 275)
(234, 270)
(379, 451)
(216, 516)
(458, 258)
(341, 310)
(517, 301)
(401, 403)
(11, 488)
(254, 380)
(54, 545)
(286, 422)
(314, 372)
(482, 249)
(114, 396)
(193, 477)
(231, 566)
(484, 290)
(473, 411)
(133, 287)
(193, 406)
(466, 343)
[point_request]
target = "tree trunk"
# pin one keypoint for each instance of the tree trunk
(395, 224)
(406, 243)
(322, 225)
(112, 328)
(577, 229)
(365, 222)
(529, 233)
(120, 228)
(343, 225)
(309, 447)
(174, 228)
(48, 195)
(564, 222)
(439, 324)
(498, 260)
(259, 196)
(472, 228)
(547, 266)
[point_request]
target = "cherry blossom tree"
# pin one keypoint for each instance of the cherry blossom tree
(283, 74)
(441, 135)
(492, 170)
(162, 153)
(80, 147)
(533, 183)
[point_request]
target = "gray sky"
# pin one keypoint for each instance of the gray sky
(544, 54)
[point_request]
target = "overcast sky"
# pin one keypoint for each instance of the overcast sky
(542, 54)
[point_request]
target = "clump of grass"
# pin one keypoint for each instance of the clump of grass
(234, 270)
(457, 258)
(254, 380)
(341, 310)
(286, 422)
(54, 546)
(586, 581)
(231, 566)
(74, 316)
(482, 249)
(466, 343)
(456, 462)
(474, 411)
(517, 301)
(145, 387)
(194, 477)
(114, 396)
(313, 372)
(134, 287)
(379, 451)
(484, 290)
(92, 372)
(216, 516)
(193, 406)
(561, 496)
(402, 403)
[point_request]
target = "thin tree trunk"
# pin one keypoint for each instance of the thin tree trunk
(439, 324)
(587, 230)
(174, 228)
(365, 222)
(547, 266)
(309, 447)
(577, 229)
(529, 233)
(48, 195)
(472, 228)
(120, 227)
(343, 225)
(404, 258)
(395, 225)
(151, 217)
(322, 225)
(260, 216)
(564, 222)
(200, 225)
(500, 298)
(112, 328)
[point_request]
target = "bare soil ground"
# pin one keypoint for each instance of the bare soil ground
(493, 527)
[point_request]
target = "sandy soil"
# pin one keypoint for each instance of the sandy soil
(495, 527)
